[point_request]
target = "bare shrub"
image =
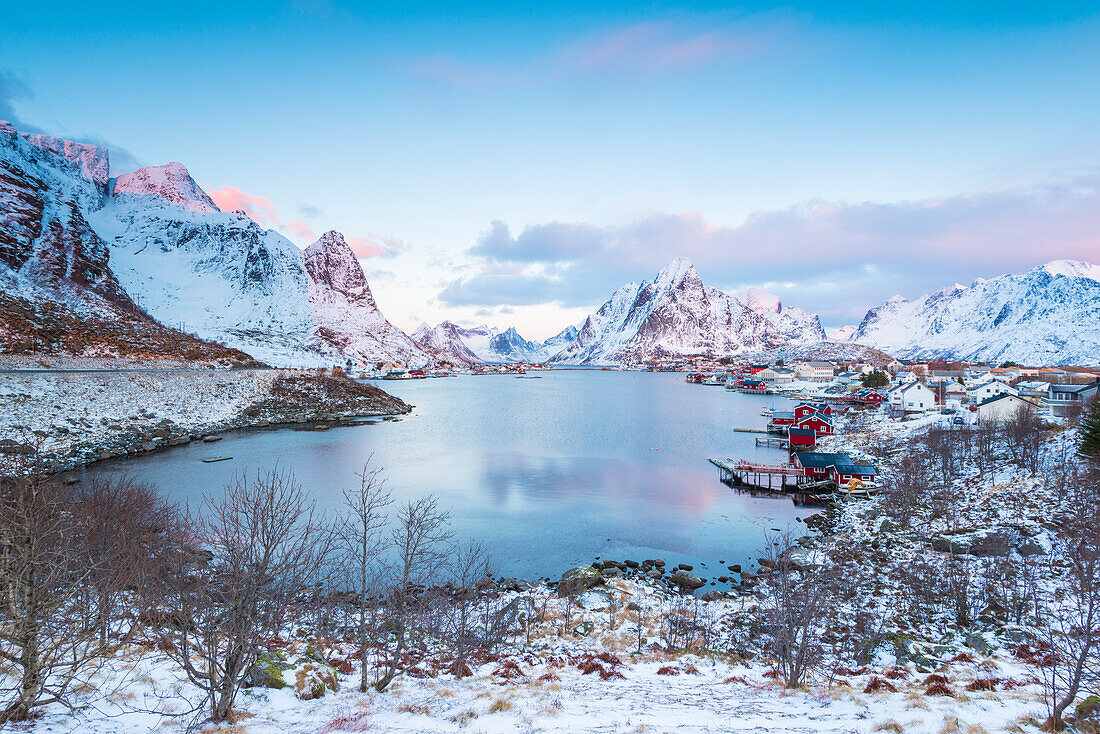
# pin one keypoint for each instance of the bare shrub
(238, 566)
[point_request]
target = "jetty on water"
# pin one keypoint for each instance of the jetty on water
(740, 473)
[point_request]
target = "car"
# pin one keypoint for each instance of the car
(958, 420)
(947, 411)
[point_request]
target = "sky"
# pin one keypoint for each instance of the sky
(513, 163)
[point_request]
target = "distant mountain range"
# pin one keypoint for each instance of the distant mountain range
(147, 265)
(487, 345)
(1048, 315)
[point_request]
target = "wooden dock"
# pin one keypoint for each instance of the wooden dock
(775, 477)
(778, 443)
(750, 430)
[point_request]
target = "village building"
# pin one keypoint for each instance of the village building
(989, 389)
(1062, 399)
(911, 397)
(814, 371)
(1002, 408)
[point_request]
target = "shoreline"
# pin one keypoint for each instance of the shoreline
(69, 420)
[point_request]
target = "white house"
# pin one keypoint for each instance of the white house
(1001, 408)
(990, 389)
(911, 397)
(814, 371)
(775, 374)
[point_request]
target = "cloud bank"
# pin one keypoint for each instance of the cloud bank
(838, 258)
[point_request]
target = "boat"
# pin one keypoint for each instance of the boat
(212, 459)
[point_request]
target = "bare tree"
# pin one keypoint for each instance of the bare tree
(238, 567)
(47, 629)
(362, 541)
(421, 544)
(460, 626)
(795, 609)
(1071, 626)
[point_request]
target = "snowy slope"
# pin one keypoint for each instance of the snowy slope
(675, 313)
(58, 288)
(1048, 315)
(226, 278)
(844, 333)
(798, 326)
(346, 318)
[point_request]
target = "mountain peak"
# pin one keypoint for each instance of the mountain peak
(94, 160)
(170, 182)
(1071, 269)
(676, 272)
(760, 300)
(331, 263)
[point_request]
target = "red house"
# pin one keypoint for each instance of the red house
(804, 409)
(801, 438)
(821, 425)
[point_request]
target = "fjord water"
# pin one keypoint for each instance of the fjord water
(544, 471)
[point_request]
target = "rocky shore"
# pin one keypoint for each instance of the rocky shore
(70, 419)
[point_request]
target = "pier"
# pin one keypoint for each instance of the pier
(776, 477)
(778, 443)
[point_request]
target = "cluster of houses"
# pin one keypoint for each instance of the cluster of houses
(804, 425)
(838, 468)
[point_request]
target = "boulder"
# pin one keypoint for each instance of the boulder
(686, 579)
(584, 629)
(313, 680)
(579, 579)
(595, 600)
(268, 670)
(978, 643)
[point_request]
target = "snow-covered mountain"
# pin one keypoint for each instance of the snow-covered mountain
(1048, 315)
(489, 345)
(59, 292)
(226, 278)
(675, 313)
(347, 321)
(798, 326)
(844, 333)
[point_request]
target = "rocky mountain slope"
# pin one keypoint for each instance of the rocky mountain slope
(1048, 315)
(59, 293)
(673, 314)
(346, 318)
(177, 259)
(798, 326)
(489, 345)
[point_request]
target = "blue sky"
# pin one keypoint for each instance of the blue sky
(515, 162)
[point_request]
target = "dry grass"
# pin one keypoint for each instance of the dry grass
(890, 726)
(418, 709)
(501, 705)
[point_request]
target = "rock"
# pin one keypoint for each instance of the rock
(956, 546)
(1030, 547)
(886, 526)
(654, 573)
(686, 580)
(611, 573)
(735, 568)
(584, 629)
(766, 562)
(659, 562)
(578, 579)
(312, 680)
(486, 584)
(631, 564)
(7, 446)
(685, 567)
(595, 601)
(978, 643)
(711, 596)
(509, 584)
(608, 563)
(211, 439)
(723, 579)
(268, 670)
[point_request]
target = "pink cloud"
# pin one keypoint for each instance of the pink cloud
(302, 230)
(259, 209)
(372, 245)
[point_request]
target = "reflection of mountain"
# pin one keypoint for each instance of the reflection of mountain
(602, 484)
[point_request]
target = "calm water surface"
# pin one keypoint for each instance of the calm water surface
(545, 472)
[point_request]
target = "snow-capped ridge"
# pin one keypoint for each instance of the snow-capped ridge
(1048, 315)
(170, 183)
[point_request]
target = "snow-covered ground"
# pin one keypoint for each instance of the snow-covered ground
(543, 687)
(75, 417)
